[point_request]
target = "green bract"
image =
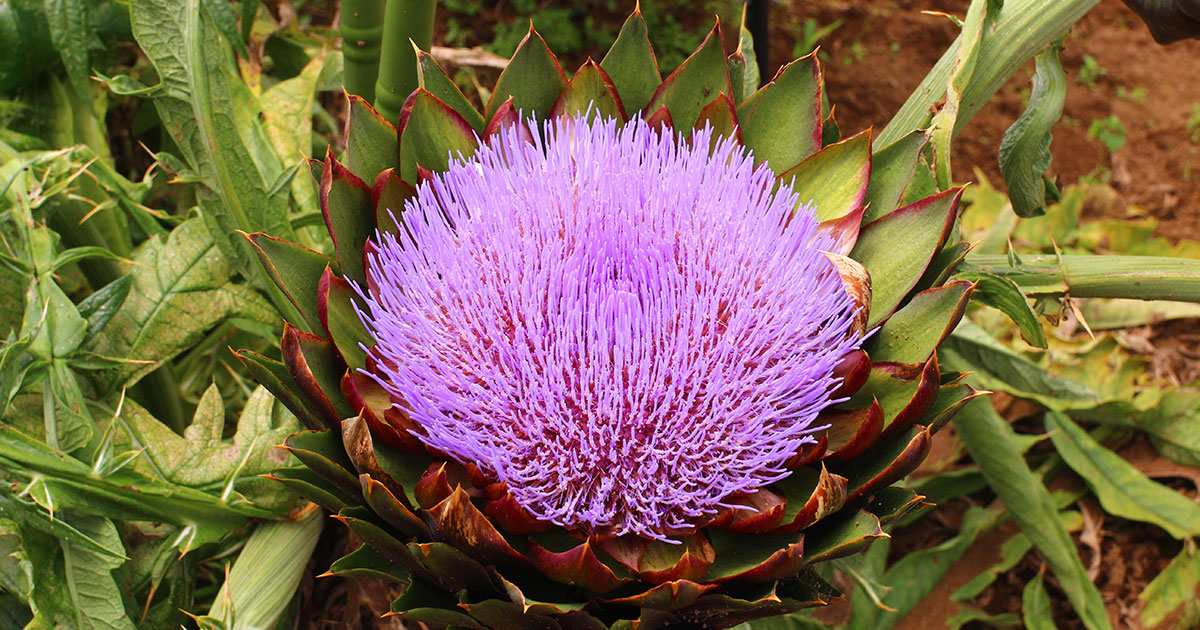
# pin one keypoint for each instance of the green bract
(470, 556)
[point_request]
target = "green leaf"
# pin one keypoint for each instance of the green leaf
(532, 78)
(296, 271)
(287, 120)
(1025, 149)
(346, 204)
(590, 90)
(214, 120)
(182, 288)
(632, 66)
(52, 320)
(991, 443)
(1173, 587)
(274, 376)
(432, 134)
(781, 123)
(73, 585)
(923, 228)
(1012, 551)
(1036, 610)
(100, 307)
(695, 83)
(72, 34)
(996, 367)
(892, 168)
(371, 144)
(1122, 489)
(916, 574)
(1003, 294)
(225, 20)
(433, 78)
(915, 331)
(833, 181)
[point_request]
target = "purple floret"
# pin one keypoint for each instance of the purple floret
(624, 329)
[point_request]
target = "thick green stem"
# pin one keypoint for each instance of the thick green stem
(1134, 277)
(405, 20)
(1022, 30)
(264, 578)
(362, 35)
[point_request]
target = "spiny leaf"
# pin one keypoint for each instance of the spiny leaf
(632, 66)
(202, 458)
(433, 78)
(695, 83)
(781, 123)
(833, 182)
(923, 228)
(532, 78)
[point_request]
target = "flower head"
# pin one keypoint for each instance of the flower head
(627, 328)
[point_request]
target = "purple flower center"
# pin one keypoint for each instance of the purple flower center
(624, 328)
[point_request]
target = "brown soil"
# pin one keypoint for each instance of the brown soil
(884, 49)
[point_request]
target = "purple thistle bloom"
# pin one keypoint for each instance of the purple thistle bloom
(628, 331)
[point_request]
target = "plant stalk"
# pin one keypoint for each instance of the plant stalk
(362, 36)
(264, 578)
(1133, 277)
(1023, 28)
(404, 20)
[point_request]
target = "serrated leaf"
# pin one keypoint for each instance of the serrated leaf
(781, 123)
(833, 181)
(73, 585)
(632, 66)
(214, 120)
(202, 458)
(182, 288)
(923, 227)
(532, 78)
(1122, 489)
(695, 83)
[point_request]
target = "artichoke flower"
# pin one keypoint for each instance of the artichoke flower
(619, 351)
